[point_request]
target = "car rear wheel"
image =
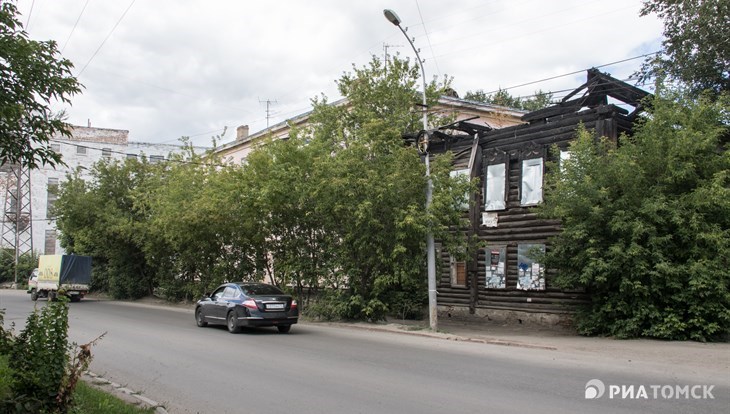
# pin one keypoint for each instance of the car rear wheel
(199, 319)
(284, 328)
(232, 324)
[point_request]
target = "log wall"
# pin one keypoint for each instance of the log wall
(518, 224)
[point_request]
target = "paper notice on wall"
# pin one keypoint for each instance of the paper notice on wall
(489, 219)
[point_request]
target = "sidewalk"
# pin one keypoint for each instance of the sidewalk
(710, 361)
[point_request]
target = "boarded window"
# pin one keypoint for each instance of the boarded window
(494, 193)
(495, 268)
(55, 147)
(154, 159)
(530, 273)
(106, 152)
(531, 182)
(132, 156)
(51, 196)
(458, 272)
(50, 242)
(464, 205)
(80, 150)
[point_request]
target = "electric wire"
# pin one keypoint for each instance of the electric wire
(126, 154)
(573, 73)
(30, 13)
(106, 38)
(428, 39)
(74, 27)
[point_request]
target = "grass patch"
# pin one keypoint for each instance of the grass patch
(87, 399)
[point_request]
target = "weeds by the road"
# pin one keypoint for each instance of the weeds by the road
(39, 370)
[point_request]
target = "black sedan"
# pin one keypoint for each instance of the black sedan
(238, 305)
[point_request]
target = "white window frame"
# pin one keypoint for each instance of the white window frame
(495, 187)
(531, 182)
(496, 270)
(530, 273)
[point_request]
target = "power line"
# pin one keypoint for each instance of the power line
(428, 39)
(30, 13)
(74, 28)
(573, 73)
(128, 154)
(106, 38)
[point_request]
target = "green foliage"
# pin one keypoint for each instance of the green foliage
(647, 224)
(338, 205)
(33, 76)
(6, 336)
(89, 400)
(39, 370)
(26, 263)
(695, 50)
(539, 100)
(39, 356)
(106, 218)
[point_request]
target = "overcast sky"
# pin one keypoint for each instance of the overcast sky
(163, 69)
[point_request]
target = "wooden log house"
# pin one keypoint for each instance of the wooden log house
(502, 281)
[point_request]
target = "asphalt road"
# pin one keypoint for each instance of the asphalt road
(328, 369)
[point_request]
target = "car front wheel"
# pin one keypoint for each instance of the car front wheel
(199, 319)
(232, 323)
(34, 295)
(284, 328)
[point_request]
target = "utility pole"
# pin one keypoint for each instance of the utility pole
(423, 148)
(17, 229)
(268, 103)
(385, 53)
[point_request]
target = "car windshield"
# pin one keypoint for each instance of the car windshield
(261, 290)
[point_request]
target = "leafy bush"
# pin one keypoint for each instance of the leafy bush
(647, 224)
(327, 306)
(26, 263)
(39, 357)
(42, 368)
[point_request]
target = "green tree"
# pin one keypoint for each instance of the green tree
(370, 186)
(695, 49)
(503, 98)
(647, 224)
(26, 263)
(106, 218)
(32, 77)
(200, 230)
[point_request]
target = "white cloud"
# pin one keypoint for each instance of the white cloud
(174, 68)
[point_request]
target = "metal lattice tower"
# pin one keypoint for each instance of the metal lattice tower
(17, 218)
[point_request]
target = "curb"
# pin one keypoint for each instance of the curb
(450, 337)
(123, 393)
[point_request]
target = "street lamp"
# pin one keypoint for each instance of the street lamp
(423, 146)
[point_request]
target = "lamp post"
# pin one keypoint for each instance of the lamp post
(423, 147)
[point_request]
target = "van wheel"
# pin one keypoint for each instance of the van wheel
(52, 296)
(34, 295)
